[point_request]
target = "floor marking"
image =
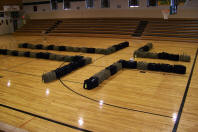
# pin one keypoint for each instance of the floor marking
(107, 103)
(112, 105)
(22, 73)
(73, 81)
(96, 65)
(38, 76)
(22, 125)
(185, 95)
(98, 58)
(45, 118)
(20, 64)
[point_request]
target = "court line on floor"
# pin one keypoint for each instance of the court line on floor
(112, 105)
(97, 100)
(108, 103)
(45, 118)
(36, 75)
(99, 58)
(96, 65)
(185, 95)
(20, 72)
(20, 64)
(22, 125)
(73, 81)
(17, 64)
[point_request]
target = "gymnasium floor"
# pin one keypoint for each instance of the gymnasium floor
(130, 101)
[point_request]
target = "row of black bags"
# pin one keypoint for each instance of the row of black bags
(41, 55)
(107, 51)
(143, 52)
(99, 77)
(64, 70)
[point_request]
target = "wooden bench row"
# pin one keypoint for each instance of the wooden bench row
(157, 29)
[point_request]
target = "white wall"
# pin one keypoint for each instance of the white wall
(115, 3)
(98, 13)
(40, 8)
(97, 4)
(4, 28)
(74, 5)
(60, 6)
(79, 4)
(189, 10)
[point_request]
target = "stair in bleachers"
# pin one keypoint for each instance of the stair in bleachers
(53, 26)
(140, 29)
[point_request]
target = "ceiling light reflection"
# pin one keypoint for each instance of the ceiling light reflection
(101, 102)
(134, 6)
(174, 117)
(47, 92)
(80, 121)
(9, 83)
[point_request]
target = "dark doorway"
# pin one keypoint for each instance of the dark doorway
(15, 24)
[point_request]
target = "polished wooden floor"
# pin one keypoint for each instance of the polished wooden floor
(130, 101)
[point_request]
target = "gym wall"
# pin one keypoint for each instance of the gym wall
(118, 8)
(6, 26)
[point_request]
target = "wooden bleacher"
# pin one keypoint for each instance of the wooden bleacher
(155, 29)
(96, 27)
(174, 30)
(35, 27)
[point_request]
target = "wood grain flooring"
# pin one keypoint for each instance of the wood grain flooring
(130, 101)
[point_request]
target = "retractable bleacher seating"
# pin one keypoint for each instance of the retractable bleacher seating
(146, 28)
(174, 30)
(36, 27)
(97, 27)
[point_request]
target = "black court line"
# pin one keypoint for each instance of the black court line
(20, 73)
(131, 109)
(73, 81)
(112, 105)
(98, 58)
(20, 64)
(45, 118)
(185, 95)
(96, 65)
(29, 74)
